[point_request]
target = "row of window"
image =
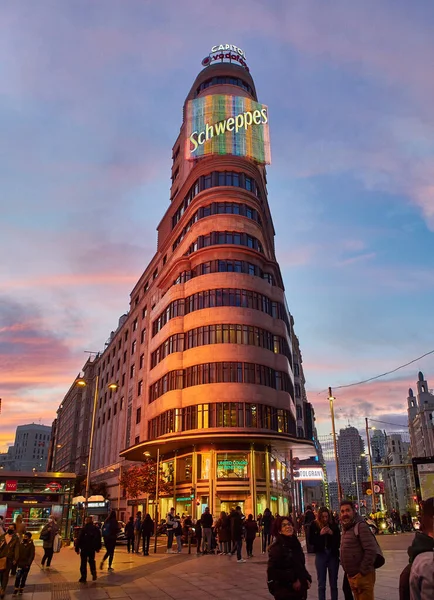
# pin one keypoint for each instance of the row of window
(102, 421)
(221, 334)
(220, 297)
(221, 414)
(215, 179)
(218, 208)
(221, 372)
(225, 237)
(224, 266)
(221, 80)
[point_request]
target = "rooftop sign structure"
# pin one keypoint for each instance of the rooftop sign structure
(226, 53)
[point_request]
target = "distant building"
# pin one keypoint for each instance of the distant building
(399, 483)
(378, 446)
(30, 450)
(420, 419)
(352, 466)
(333, 495)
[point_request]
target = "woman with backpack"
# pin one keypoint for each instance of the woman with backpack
(110, 532)
(47, 535)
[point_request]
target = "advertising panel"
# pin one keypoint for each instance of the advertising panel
(224, 124)
(309, 474)
(426, 480)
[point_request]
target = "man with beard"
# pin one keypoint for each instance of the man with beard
(359, 551)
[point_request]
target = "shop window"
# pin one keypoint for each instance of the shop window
(232, 466)
(184, 468)
(204, 465)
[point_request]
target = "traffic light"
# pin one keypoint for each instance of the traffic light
(197, 501)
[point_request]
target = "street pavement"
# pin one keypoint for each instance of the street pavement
(182, 576)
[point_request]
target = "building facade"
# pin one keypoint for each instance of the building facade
(352, 466)
(398, 477)
(30, 449)
(420, 419)
(204, 360)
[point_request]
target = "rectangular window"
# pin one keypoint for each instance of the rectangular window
(143, 336)
(140, 388)
(144, 312)
(142, 361)
(132, 371)
(146, 287)
(138, 415)
(133, 347)
(137, 439)
(155, 274)
(135, 324)
(123, 379)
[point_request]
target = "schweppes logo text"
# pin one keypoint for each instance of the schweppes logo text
(241, 121)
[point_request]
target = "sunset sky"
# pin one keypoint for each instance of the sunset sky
(90, 105)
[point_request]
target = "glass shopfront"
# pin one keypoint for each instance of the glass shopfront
(232, 466)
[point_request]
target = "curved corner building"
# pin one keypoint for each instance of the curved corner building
(218, 396)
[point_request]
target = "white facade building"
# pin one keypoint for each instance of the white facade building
(352, 466)
(30, 450)
(420, 419)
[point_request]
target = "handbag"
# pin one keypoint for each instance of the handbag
(3, 563)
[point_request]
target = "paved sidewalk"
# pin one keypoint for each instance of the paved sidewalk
(176, 577)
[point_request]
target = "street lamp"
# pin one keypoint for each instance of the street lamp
(81, 382)
(371, 470)
(357, 485)
(332, 413)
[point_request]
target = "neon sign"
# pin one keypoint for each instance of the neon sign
(224, 124)
(226, 53)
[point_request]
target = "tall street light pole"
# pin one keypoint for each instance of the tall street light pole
(82, 382)
(371, 470)
(332, 413)
(357, 486)
(157, 481)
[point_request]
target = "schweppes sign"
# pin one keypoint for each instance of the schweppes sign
(223, 124)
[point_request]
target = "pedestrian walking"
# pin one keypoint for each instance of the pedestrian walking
(26, 555)
(309, 518)
(129, 534)
(198, 533)
(223, 528)
(206, 522)
(47, 535)
(417, 579)
(9, 554)
(325, 538)
(177, 531)
(267, 521)
(288, 578)
(359, 551)
(89, 542)
(110, 531)
(236, 518)
(137, 531)
(251, 529)
(170, 519)
(147, 531)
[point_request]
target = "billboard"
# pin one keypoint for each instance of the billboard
(309, 474)
(224, 124)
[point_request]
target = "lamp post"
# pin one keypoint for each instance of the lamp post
(332, 413)
(371, 470)
(157, 481)
(357, 485)
(82, 383)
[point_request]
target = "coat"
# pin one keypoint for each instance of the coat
(147, 527)
(223, 527)
(53, 529)
(286, 565)
(321, 543)
(358, 553)
(251, 528)
(89, 539)
(129, 529)
(417, 577)
(10, 550)
(236, 520)
(26, 554)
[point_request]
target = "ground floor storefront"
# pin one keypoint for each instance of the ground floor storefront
(35, 497)
(223, 478)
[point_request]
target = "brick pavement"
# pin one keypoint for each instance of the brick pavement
(176, 577)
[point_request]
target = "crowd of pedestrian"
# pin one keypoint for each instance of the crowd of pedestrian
(17, 551)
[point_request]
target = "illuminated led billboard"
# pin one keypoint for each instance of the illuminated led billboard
(220, 124)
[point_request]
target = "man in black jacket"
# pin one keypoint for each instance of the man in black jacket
(237, 525)
(89, 542)
(206, 522)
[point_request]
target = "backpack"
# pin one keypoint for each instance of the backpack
(105, 530)
(379, 559)
(57, 543)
